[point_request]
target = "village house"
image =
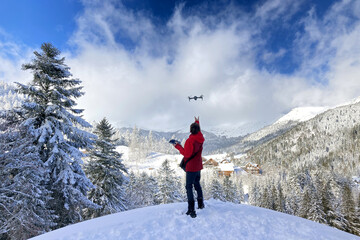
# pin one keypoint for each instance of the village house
(252, 168)
(211, 162)
(225, 169)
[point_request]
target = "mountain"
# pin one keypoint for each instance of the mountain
(236, 130)
(213, 142)
(313, 168)
(281, 126)
(226, 139)
(219, 220)
(330, 139)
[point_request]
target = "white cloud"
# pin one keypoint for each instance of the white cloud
(147, 80)
(12, 56)
(330, 54)
(148, 85)
(272, 10)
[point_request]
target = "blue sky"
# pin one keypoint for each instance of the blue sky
(139, 60)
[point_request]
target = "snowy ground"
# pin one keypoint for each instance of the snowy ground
(218, 220)
(153, 162)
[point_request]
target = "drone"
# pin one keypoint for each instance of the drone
(196, 98)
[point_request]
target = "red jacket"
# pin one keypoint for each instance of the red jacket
(192, 145)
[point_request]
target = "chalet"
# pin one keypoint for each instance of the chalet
(225, 169)
(252, 168)
(225, 161)
(211, 162)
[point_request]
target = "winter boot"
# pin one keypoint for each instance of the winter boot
(200, 203)
(191, 209)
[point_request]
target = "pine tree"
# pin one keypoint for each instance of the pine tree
(255, 195)
(266, 197)
(357, 213)
(348, 208)
(131, 191)
(106, 171)
(316, 211)
(305, 203)
(241, 192)
(147, 190)
(327, 201)
(332, 208)
(53, 119)
(281, 201)
(169, 184)
(150, 190)
(230, 192)
(23, 196)
(217, 190)
(135, 146)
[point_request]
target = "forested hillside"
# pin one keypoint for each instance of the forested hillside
(309, 170)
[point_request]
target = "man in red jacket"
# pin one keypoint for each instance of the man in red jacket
(192, 151)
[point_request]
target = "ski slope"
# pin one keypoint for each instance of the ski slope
(219, 220)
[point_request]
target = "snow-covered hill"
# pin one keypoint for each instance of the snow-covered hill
(286, 122)
(219, 220)
(236, 130)
(331, 132)
(302, 114)
(281, 126)
(213, 141)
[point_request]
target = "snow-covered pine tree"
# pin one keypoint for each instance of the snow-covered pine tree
(255, 194)
(149, 189)
(142, 190)
(53, 119)
(357, 213)
(216, 189)
(23, 195)
(131, 191)
(333, 214)
(316, 211)
(266, 200)
(137, 146)
(281, 201)
(348, 207)
(106, 171)
(241, 191)
(230, 191)
(169, 184)
(149, 143)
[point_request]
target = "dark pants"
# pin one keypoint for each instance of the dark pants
(193, 178)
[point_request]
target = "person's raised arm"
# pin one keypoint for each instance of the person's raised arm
(197, 120)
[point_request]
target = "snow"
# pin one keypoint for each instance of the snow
(154, 160)
(151, 163)
(226, 166)
(236, 130)
(219, 220)
(302, 114)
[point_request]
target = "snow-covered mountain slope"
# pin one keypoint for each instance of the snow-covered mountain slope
(281, 126)
(302, 114)
(213, 141)
(236, 130)
(219, 220)
(289, 120)
(330, 140)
